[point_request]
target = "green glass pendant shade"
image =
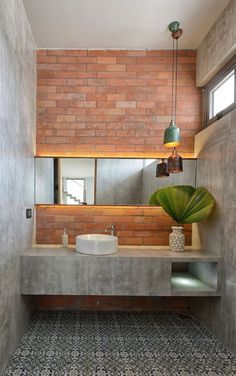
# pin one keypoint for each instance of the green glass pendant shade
(172, 136)
(174, 26)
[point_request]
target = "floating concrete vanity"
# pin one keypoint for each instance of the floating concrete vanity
(132, 271)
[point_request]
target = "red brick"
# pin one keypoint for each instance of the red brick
(126, 60)
(56, 82)
(41, 52)
(86, 132)
(106, 90)
(126, 75)
(126, 104)
(105, 133)
(125, 132)
(73, 81)
(136, 53)
(66, 132)
(87, 104)
(106, 104)
(101, 53)
(96, 67)
(105, 148)
(106, 60)
(46, 89)
(96, 140)
(46, 59)
(114, 140)
(56, 96)
(76, 111)
(76, 67)
(96, 82)
(55, 67)
(136, 97)
(46, 74)
(66, 118)
(124, 82)
(66, 74)
(116, 67)
(67, 52)
(135, 140)
(66, 59)
(76, 96)
(87, 60)
(146, 104)
(106, 74)
(116, 97)
(46, 103)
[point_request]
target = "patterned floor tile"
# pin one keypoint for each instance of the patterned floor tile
(118, 344)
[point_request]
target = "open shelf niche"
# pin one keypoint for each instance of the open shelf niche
(195, 278)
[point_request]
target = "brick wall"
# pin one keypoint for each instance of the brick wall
(135, 225)
(113, 102)
(118, 103)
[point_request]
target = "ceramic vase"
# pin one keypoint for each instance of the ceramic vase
(177, 239)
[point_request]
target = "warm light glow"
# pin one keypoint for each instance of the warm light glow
(171, 144)
(91, 207)
(148, 155)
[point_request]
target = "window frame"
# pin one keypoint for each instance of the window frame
(211, 85)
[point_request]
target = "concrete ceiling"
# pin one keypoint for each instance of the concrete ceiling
(115, 24)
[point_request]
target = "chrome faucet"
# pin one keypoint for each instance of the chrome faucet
(112, 229)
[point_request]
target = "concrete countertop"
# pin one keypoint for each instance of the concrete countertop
(190, 254)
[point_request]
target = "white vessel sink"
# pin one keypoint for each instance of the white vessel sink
(96, 244)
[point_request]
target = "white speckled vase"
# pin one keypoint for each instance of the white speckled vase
(177, 239)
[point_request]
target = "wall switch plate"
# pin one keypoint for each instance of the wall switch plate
(28, 213)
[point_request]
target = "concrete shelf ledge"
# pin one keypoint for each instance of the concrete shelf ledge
(132, 271)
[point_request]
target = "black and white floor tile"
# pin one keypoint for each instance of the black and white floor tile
(118, 344)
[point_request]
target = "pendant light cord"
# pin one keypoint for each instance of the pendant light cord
(176, 65)
(173, 80)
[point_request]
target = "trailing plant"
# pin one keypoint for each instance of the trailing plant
(184, 203)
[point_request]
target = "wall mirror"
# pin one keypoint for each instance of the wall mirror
(102, 181)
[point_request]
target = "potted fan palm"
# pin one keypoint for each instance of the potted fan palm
(184, 204)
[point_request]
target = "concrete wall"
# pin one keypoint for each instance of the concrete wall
(218, 46)
(44, 181)
(119, 181)
(17, 122)
(216, 170)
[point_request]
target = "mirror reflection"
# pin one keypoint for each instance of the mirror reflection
(102, 181)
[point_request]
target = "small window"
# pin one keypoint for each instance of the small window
(220, 93)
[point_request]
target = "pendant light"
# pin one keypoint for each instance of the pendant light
(161, 169)
(174, 163)
(172, 133)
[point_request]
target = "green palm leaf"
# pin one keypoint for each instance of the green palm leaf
(183, 203)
